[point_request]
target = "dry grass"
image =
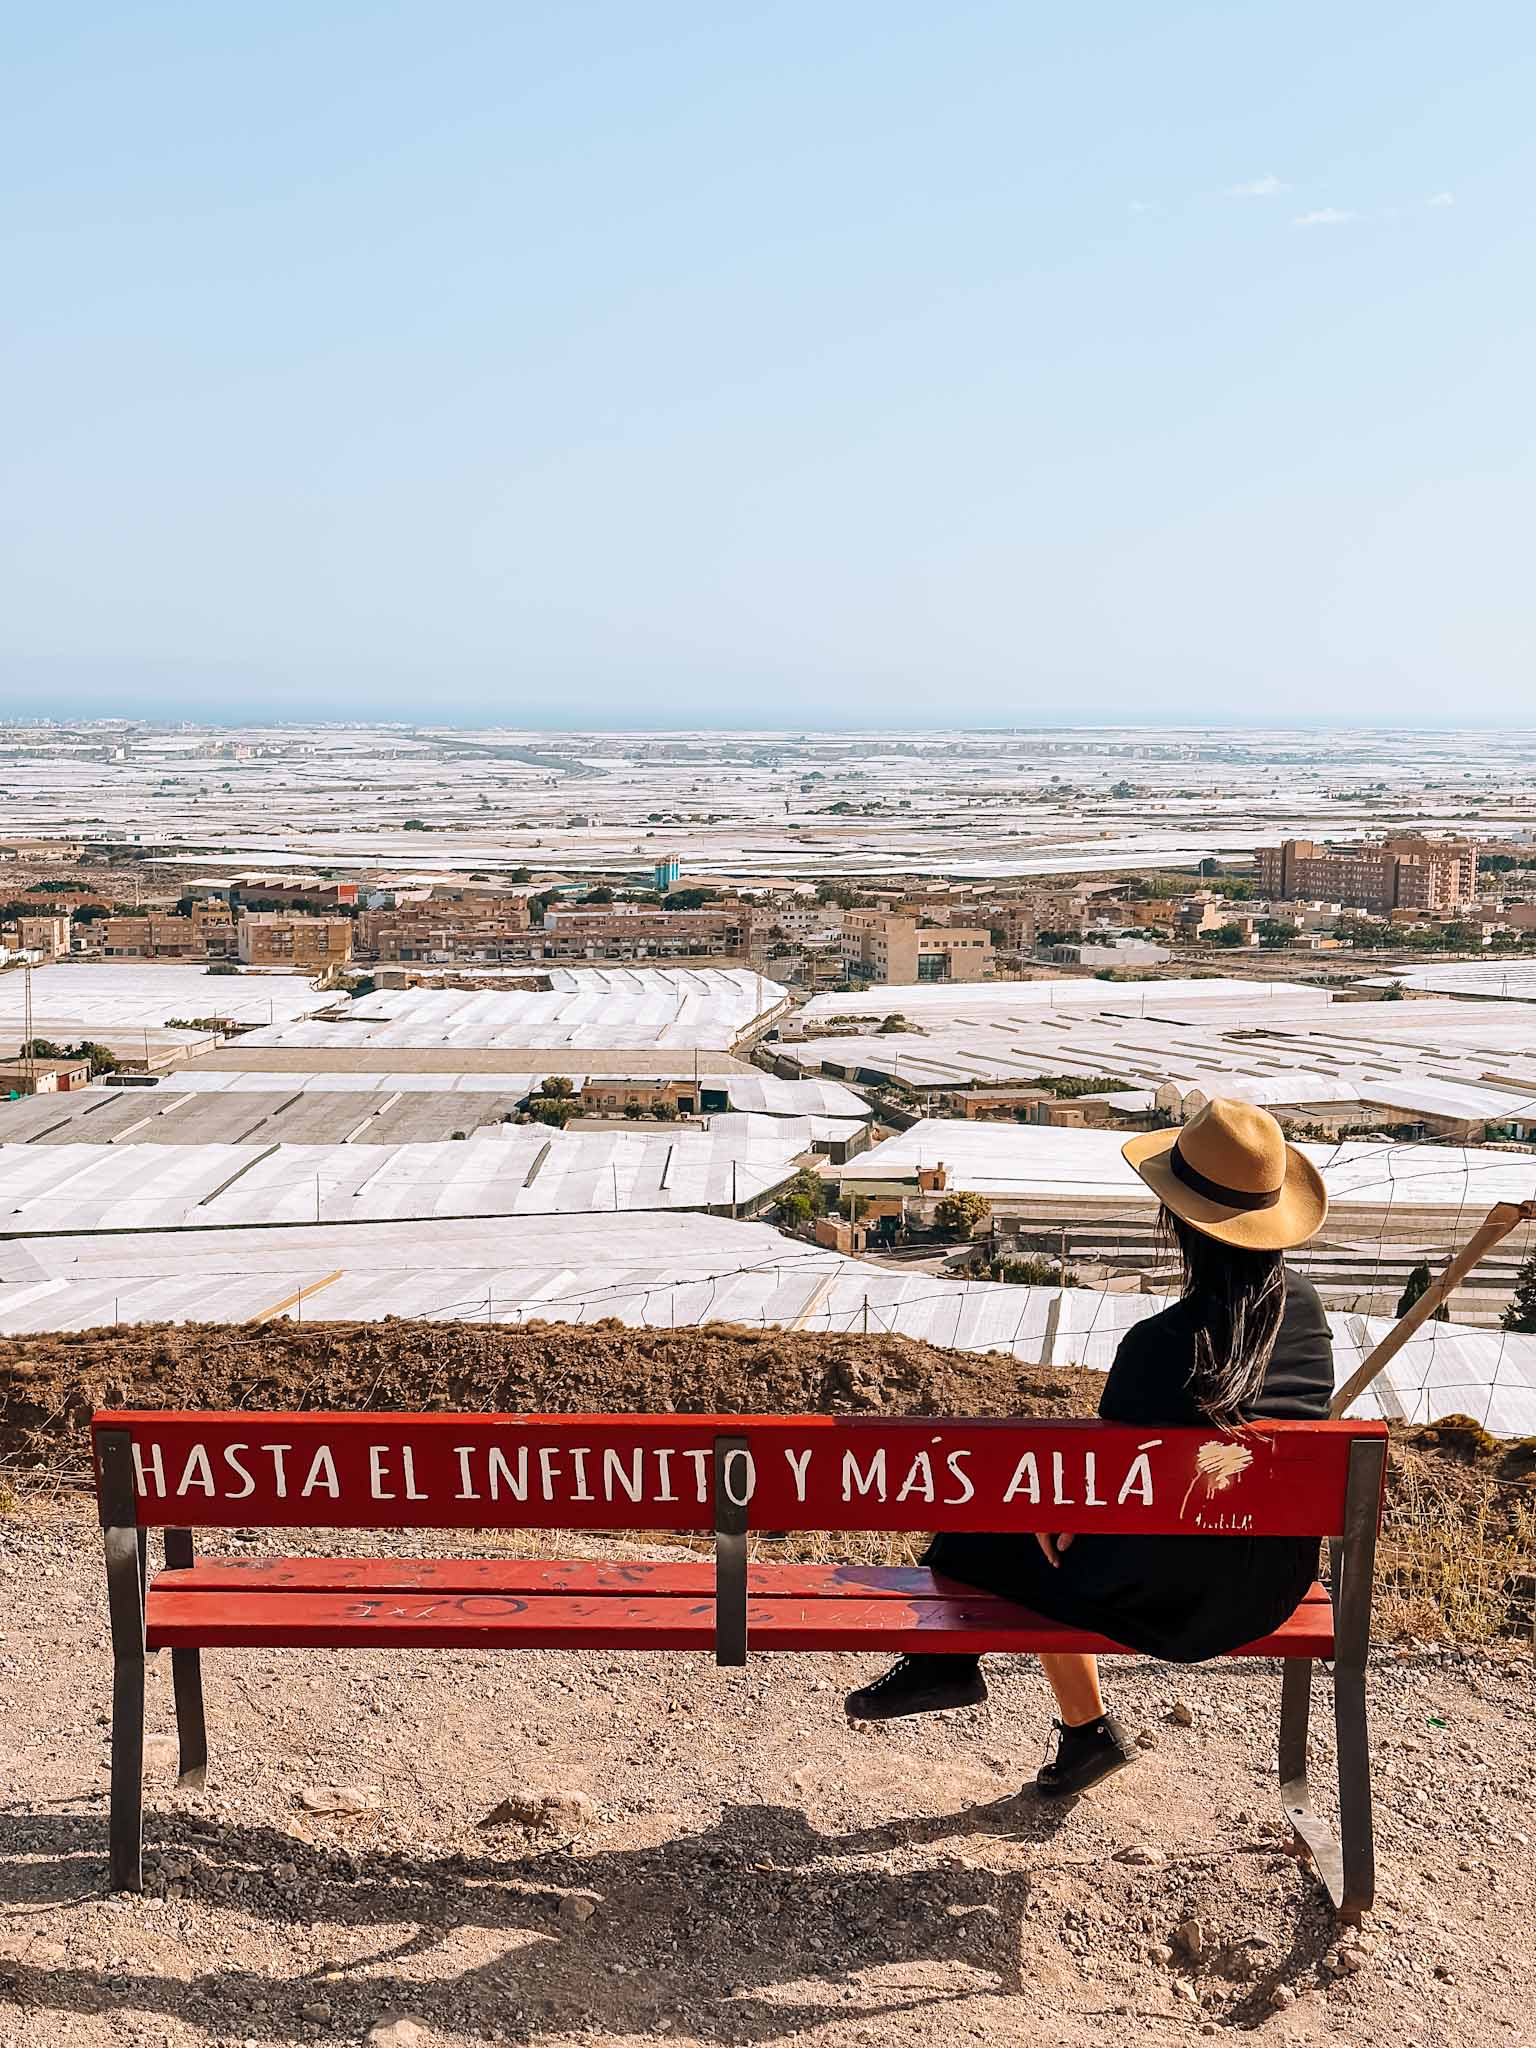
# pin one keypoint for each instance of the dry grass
(1457, 1555)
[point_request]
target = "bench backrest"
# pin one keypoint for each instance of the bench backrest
(251, 1469)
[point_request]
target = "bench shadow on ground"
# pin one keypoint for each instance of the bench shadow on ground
(733, 1927)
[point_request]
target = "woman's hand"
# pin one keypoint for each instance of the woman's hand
(1053, 1546)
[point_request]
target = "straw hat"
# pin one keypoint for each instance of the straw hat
(1230, 1173)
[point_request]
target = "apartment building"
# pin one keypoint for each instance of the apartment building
(208, 933)
(273, 938)
(47, 935)
(487, 928)
(634, 932)
(801, 920)
(880, 947)
(1408, 873)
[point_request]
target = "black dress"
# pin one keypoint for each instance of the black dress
(1178, 1597)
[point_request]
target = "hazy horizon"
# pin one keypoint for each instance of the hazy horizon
(432, 716)
(844, 369)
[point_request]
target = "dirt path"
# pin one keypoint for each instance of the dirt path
(740, 1866)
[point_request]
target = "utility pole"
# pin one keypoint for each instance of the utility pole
(28, 1056)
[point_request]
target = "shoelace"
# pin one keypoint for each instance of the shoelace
(897, 1670)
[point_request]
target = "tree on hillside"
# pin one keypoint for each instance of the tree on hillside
(1521, 1313)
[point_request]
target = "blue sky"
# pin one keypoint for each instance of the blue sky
(850, 363)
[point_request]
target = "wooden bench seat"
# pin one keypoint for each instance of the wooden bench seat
(517, 1604)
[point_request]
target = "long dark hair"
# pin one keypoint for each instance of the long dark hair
(1240, 1298)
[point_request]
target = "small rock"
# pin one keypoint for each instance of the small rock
(526, 1806)
(1281, 1996)
(1140, 1853)
(1182, 1714)
(1189, 1937)
(1145, 1739)
(1352, 1959)
(1160, 1952)
(317, 2012)
(403, 2032)
(335, 1799)
(577, 1908)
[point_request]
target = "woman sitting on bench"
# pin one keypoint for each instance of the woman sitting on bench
(1247, 1339)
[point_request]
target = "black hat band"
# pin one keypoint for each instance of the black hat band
(1214, 1191)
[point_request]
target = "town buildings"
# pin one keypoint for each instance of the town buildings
(485, 927)
(271, 938)
(1406, 873)
(206, 932)
(46, 936)
(290, 892)
(626, 931)
(22, 1076)
(881, 947)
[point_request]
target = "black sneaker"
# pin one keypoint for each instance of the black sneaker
(919, 1685)
(1085, 1757)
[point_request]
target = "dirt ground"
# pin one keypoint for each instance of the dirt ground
(425, 1850)
(50, 1383)
(719, 1857)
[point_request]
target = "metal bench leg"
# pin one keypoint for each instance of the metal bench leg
(1349, 1873)
(1308, 1829)
(1358, 1887)
(126, 1600)
(191, 1730)
(127, 1774)
(187, 1683)
(1356, 1563)
(125, 1604)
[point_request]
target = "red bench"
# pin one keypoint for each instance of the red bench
(703, 1474)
